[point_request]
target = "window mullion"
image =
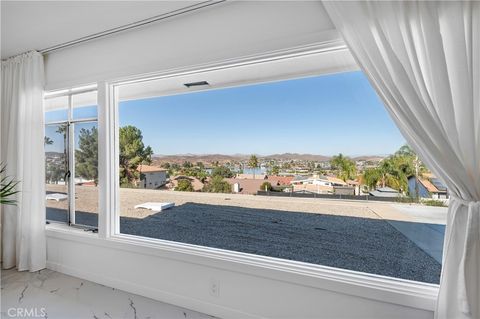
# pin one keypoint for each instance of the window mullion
(106, 160)
(71, 162)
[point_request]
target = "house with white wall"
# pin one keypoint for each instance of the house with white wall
(152, 177)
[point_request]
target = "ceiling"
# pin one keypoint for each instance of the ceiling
(277, 69)
(36, 25)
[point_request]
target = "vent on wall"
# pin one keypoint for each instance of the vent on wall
(201, 83)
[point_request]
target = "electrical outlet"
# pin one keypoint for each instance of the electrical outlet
(214, 287)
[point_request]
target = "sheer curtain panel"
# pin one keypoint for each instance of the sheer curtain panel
(22, 138)
(423, 58)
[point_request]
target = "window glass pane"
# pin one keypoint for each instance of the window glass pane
(84, 105)
(310, 169)
(56, 167)
(86, 173)
(56, 116)
(56, 109)
(72, 159)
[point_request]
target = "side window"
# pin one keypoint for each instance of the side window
(71, 158)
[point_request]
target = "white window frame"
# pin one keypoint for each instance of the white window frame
(70, 147)
(386, 289)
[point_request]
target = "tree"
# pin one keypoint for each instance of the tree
(47, 140)
(166, 165)
(54, 173)
(406, 150)
(371, 177)
(184, 185)
(86, 156)
(275, 170)
(132, 153)
(395, 170)
(266, 186)
(197, 172)
(418, 167)
(344, 167)
(217, 185)
(202, 175)
(62, 129)
(222, 171)
(253, 163)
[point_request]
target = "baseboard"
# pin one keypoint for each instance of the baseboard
(156, 294)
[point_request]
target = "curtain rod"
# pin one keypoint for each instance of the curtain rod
(133, 25)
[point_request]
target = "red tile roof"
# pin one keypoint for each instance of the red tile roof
(247, 186)
(150, 169)
(279, 180)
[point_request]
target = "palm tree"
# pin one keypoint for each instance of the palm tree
(395, 171)
(253, 163)
(345, 167)
(419, 167)
(371, 177)
(62, 129)
(275, 170)
(48, 140)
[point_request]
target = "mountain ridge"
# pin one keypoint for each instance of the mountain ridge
(240, 157)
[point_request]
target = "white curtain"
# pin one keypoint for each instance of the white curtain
(22, 138)
(423, 59)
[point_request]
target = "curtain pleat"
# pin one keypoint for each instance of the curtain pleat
(22, 138)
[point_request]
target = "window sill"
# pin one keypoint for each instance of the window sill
(375, 287)
(64, 228)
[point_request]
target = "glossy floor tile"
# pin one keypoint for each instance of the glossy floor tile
(49, 294)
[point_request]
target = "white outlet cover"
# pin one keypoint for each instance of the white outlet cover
(214, 288)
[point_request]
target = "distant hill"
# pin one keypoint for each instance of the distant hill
(296, 156)
(372, 158)
(222, 158)
(193, 158)
(53, 154)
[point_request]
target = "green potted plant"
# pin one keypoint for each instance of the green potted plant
(7, 187)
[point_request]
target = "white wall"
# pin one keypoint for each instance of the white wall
(224, 31)
(185, 280)
(154, 180)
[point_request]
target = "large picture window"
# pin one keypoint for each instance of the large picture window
(71, 157)
(307, 169)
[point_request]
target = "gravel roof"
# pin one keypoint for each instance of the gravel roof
(361, 244)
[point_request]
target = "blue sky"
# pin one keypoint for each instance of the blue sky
(57, 138)
(318, 115)
(327, 115)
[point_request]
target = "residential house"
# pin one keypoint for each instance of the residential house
(428, 187)
(196, 183)
(152, 177)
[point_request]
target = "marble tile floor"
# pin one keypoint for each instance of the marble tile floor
(49, 294)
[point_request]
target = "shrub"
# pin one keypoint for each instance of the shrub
(217, 185)
(434, 202)
(184, 185)
(406, 199)
(222, 171)
(266, 186)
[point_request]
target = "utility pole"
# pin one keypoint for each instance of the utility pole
(417, 191)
